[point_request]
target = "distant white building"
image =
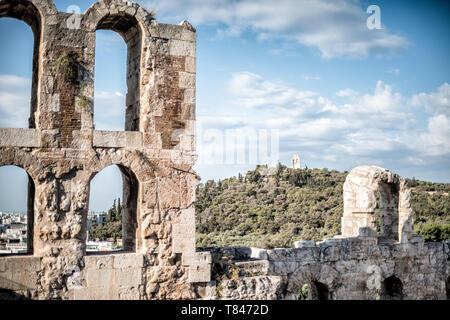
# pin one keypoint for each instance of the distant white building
(93, 246)
(295, 162)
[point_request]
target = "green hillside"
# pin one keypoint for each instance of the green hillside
(273, 207)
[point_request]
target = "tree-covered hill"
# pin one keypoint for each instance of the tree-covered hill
(273, 207)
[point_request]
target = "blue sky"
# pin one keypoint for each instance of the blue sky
(336, 92)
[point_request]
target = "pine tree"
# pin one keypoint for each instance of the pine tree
(119, 210)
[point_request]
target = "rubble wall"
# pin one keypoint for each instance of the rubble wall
(346, 269)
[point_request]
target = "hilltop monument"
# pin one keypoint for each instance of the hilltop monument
(296, 162)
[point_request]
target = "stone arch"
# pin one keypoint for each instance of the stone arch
(319, 291)
(129, 20)
(104, 8)
(391, 289)
(368, 189)
(130, 222)
(33, 13)
(313, 290)
(22, 159)
(31, 192)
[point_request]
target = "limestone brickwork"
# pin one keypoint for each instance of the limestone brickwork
(61, 151)
(355, 268)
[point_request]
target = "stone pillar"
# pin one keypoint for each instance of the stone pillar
(361, 204)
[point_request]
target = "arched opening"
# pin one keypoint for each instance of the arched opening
(18, 79)
(112, 218)
(314, 291)
(319, 291)
(16, 211)
(388, 205)
(109, 104)
(392, 289)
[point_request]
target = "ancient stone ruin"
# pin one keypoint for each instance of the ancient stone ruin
(296, 162)
(358, 264)
(61, 152)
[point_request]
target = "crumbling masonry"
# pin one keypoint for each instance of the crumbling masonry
(61, 151)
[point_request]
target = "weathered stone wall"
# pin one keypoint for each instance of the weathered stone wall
(340, 269)
(61, 151)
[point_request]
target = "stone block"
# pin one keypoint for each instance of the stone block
(330, 254)
(152, 141)
(200, 273)
(304, 244)
(241, 253)
(19, 279)
(293, 255)
(197, 258)
(183, 230)
(128, 260)
(129, 293)
(283, 268)
(99, 277)
(168, 31)
(207, 291)
(99, 261)
(127, 277)
(80, 294)
(187, 143)
(257, 253)
(185, 245)
(13, 137)
(117, 139)
(366, 232)
(181, 48)
(187, 80)
(189, 95)
(190, 64)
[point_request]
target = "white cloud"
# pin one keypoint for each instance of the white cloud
(346, 93)
(378, 127)
(436, 141)
(251, 91)
(435, 102)
(336, 28)
(15, 97)
(109, 110)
